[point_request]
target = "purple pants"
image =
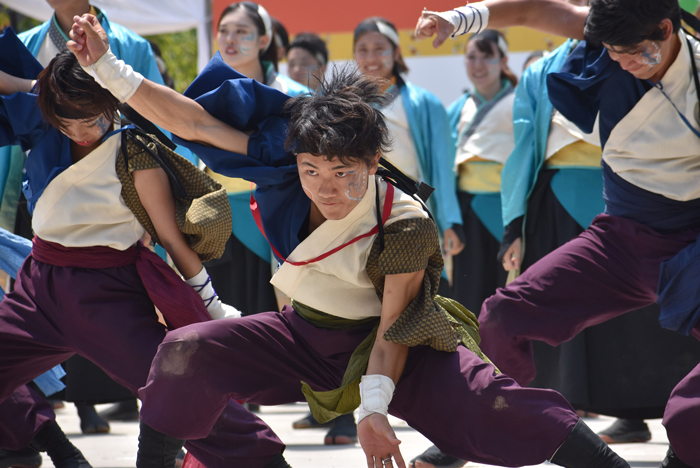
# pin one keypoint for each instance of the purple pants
(22, 415)
(454, 399)
(610, 269)
(104, 315)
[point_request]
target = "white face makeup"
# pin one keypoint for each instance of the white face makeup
(335, 188)
(375, 55)
(238, 39)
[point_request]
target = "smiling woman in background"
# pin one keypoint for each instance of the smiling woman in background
(482, 124)
(422, 145)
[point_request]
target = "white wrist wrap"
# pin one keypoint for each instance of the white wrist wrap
(470, 18)
(376, 392)
(115, 76)
(217, 309)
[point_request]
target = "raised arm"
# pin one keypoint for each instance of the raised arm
(159, 104)
(550, 16)
(11, 84)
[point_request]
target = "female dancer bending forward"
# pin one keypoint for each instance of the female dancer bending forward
(361, 261)
(89, 286)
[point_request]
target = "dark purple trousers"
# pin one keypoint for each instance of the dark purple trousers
(610, 269)
(22, 415)
(454, 399)
(104, 315)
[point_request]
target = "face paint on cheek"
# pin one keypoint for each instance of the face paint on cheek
(651, 55)
(246, 44)
(103, 124)
(357, 184)
(387, 57)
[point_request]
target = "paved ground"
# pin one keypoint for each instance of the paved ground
(304, 447)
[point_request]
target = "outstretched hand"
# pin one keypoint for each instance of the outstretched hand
(89, 41)
(379, 442)
(430, 24)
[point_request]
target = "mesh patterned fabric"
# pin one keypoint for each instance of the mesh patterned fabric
(409, 245)
(202, 212)
(441, 323)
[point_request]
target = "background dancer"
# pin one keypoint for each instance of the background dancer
(307, 59)
(482, 126)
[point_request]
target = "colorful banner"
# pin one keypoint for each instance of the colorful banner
(335, 22)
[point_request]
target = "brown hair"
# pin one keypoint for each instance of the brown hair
(483, 42)
(341, 120)
(66, 91)
(370, 25)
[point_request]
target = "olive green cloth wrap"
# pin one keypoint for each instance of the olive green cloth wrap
(429, 320)
(202, 212)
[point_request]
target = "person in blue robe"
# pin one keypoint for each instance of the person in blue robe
(86, 383)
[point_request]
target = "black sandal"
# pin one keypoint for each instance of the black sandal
(438, 459)
(344, 431)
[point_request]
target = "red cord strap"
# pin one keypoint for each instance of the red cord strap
(388, 204)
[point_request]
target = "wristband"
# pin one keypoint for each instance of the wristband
(115, 76)
(376, 391)
(201, 283)
(470, 18)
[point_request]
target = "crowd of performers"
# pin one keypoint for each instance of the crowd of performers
(578, 182)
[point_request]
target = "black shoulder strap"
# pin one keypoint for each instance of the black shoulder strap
(419, 192)
(131, 133)
(148, 126)
(401, 181)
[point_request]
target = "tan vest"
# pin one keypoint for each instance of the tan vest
(339, 285)
(651, 147)
(83, 206)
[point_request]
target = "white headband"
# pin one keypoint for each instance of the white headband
(386, 30)
(265, 16)
(503, 45)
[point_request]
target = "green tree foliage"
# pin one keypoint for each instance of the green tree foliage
(19, 22)
(180, 55)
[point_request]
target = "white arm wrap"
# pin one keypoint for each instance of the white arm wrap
(470, 18)
(376, 392)
(217, 309)
(115, 76)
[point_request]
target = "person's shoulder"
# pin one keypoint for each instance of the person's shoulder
(33, 33)
(458, 103)
(422, 93)
(421, 98)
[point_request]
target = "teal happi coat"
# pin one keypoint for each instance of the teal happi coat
(434, 144)
(532, 114)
